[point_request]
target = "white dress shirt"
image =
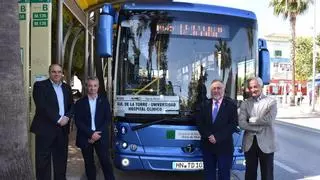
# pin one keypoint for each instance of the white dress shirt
(58, 89)
(93, 105)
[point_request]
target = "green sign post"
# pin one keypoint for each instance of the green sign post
(40, 44)
(41, 17)
(24, 19)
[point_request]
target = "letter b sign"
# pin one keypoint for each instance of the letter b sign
(45, 7)
(22, 8)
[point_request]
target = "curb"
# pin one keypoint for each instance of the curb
(298, 126)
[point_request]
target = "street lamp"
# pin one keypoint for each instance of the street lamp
(314, 56)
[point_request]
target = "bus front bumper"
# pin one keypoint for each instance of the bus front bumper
(156, 163)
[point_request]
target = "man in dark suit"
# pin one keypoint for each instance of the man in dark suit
(92, 116)
(53, 100)
(217, 121)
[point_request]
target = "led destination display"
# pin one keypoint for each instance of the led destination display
(194, 29)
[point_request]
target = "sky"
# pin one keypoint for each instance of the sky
(267, 22)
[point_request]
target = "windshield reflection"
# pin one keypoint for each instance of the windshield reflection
(156, 62)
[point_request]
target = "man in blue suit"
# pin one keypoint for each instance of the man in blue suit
(217, 121)
(92, 116)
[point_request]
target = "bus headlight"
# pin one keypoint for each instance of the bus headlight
(125, 162)
(124, 145)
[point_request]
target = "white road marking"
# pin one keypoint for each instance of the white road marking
(285, 167)
(305, 128)
(311, 178)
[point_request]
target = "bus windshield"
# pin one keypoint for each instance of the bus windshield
(168, 59)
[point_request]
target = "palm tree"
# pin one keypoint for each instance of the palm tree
(250, 40)
(160, 42)
(151, 44)
(222, 49)
(136, 33)
(15, 160)
(291, 9)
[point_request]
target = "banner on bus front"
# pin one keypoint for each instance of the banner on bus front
(134, 104)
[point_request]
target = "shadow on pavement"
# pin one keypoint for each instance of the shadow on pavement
(75, 166)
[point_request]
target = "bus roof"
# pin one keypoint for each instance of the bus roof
(190, 7)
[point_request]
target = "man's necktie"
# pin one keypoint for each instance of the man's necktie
(215, 111)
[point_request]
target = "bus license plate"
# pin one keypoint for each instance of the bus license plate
(187, 165)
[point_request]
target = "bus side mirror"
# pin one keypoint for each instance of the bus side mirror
(264, 66)
(105, 31)
(264, 62)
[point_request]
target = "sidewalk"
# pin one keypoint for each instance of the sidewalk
(299, 115)
(75, 166)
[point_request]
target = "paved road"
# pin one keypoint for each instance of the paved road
(298, 157)
(148, 175)
(299, 154)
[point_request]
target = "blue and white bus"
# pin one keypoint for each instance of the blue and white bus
(165, 56)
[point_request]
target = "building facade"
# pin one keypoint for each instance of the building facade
(279, 46)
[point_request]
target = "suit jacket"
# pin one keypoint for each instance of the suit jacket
(83, 120)
(264, 111)
(47, 109)
(224, 126)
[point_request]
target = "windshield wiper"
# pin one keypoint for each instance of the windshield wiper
(134, 128)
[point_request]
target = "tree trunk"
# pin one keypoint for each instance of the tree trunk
(15, 160)
(293, 19)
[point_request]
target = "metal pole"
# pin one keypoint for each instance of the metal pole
(109, 91)
(91, 60)
(92, 54)
(65, 40)
(86, 47)
(314, 56)
(77, 35)
(59, 44)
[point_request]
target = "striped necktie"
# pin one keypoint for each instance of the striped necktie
(215, 111)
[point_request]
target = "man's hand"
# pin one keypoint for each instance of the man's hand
(64, 120)
(90, 141)
(253, 120)
(212, 139)
(96, 136)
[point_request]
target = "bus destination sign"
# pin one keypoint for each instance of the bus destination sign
(146, 105)
(194, 29)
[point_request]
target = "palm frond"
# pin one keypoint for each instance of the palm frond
(288, 8)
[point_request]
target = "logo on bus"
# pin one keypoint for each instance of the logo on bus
(189, 148)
